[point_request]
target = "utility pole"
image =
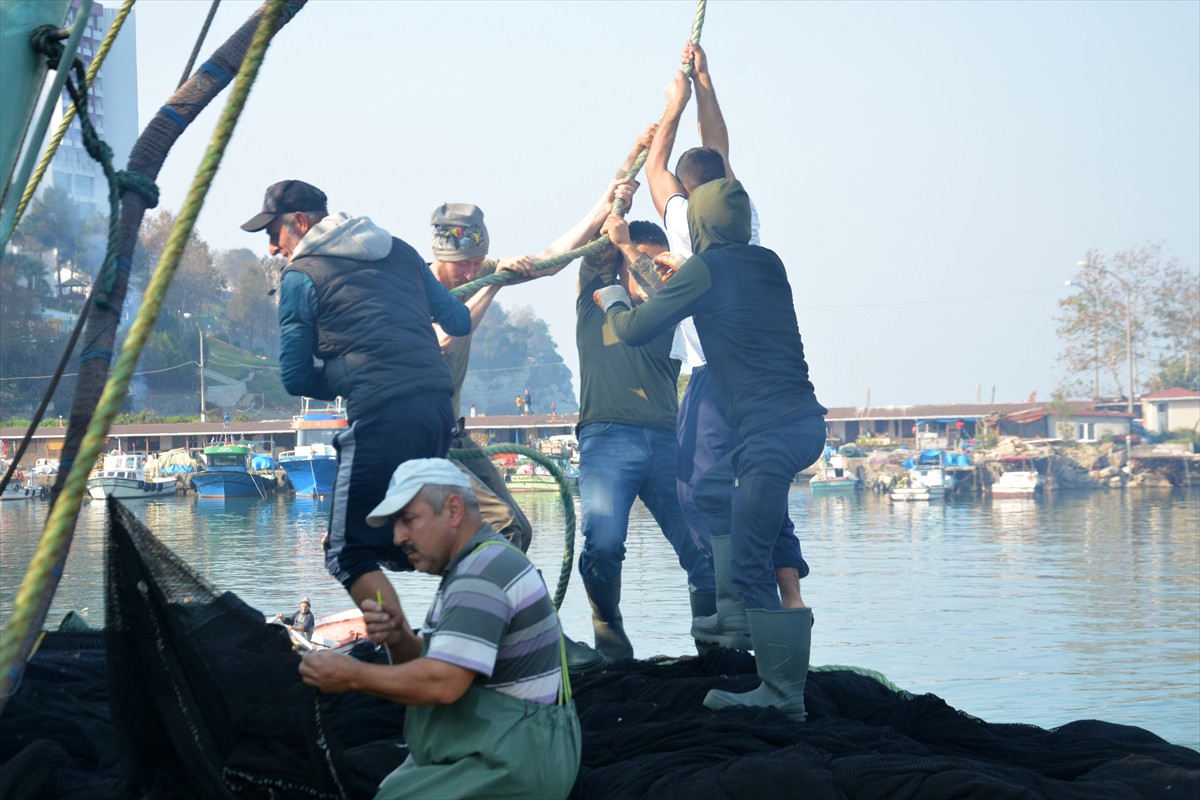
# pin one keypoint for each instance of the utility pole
(203, 418)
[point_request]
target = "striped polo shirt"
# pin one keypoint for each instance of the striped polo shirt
(493, 615)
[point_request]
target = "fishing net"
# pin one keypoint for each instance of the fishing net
(188, 693)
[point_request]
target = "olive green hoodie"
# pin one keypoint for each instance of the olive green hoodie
(718, 214)
(742, 303)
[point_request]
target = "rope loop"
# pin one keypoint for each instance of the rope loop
(45, 40)
(139, 184)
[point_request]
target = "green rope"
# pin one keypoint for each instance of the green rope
(564, 493)
(593, 247)
(56, 140)
(17, 638)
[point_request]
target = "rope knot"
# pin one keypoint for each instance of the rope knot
(139, 184)
(45, 40)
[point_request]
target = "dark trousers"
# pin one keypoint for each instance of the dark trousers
(378, 441)
(705, 437)
(744, 495)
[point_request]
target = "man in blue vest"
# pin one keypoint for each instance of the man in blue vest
(354, 311)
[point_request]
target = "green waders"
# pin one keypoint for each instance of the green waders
(489, 745)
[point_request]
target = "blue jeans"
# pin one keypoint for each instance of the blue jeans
(705, 437)
(618, 463)
(745, 495)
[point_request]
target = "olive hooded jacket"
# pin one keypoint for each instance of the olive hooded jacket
(741, 301)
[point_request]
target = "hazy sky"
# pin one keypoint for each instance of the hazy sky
(929, 172)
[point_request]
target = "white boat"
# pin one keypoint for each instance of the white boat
(1017, 483)
(927, 479)
(832, 476)
(128, 476)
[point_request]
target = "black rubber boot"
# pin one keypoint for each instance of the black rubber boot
(581, 659)
(611, 641)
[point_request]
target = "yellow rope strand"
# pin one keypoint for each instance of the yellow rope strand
(66, 506)
(56, 140)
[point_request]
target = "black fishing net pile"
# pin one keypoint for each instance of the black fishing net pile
(187, 693)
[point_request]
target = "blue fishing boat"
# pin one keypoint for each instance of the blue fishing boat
(229, 473)
(312, 465)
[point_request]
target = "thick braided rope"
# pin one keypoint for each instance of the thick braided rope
(56, 140)
(564, 493)
(18, 637)
(506, 276)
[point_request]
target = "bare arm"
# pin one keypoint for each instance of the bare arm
(420, 682)
(710, 121)
(663, 183)
(477, 306)
(586, 228)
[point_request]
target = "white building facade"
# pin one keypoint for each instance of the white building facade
(112, 105)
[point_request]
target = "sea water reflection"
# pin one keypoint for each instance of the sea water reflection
(1071, 606)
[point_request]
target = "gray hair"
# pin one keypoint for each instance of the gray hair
(436, 494)
(289, 219)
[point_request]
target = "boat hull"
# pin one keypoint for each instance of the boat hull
(230, 484)
(310, 476)
(831, 485)
(128, 488)
(918, 494)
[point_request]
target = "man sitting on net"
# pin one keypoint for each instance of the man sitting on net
(490, 712)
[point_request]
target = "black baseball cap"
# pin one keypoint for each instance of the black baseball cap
(285, 197)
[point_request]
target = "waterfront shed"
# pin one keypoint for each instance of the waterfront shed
(1171, 410)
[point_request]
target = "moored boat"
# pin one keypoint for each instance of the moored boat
(831, 475)
(312, 465)
(128, 476)
(1017, 483)
(927, 478)
(229, 473)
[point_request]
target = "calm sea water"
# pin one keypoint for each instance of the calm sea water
(1072, 606)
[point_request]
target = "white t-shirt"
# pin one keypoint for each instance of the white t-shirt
(686, 347)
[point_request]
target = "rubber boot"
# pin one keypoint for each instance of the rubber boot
(611, 641)
(704, 604)
(727, 627)
(782, 641)
(582, 660)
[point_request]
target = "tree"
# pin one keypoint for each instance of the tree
(510, 353)
(252, 309)
(1138, 295)
(1176, 305)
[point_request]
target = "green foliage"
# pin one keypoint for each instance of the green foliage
(1141, 295)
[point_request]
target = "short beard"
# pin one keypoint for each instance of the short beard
(447, 278)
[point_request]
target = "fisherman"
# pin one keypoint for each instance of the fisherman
(705, 432)
(460, 248)
(489, 701)
(627, 448)
(344, 276)
(302, 621)
(746, 321)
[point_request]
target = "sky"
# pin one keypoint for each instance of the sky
(929, 172)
